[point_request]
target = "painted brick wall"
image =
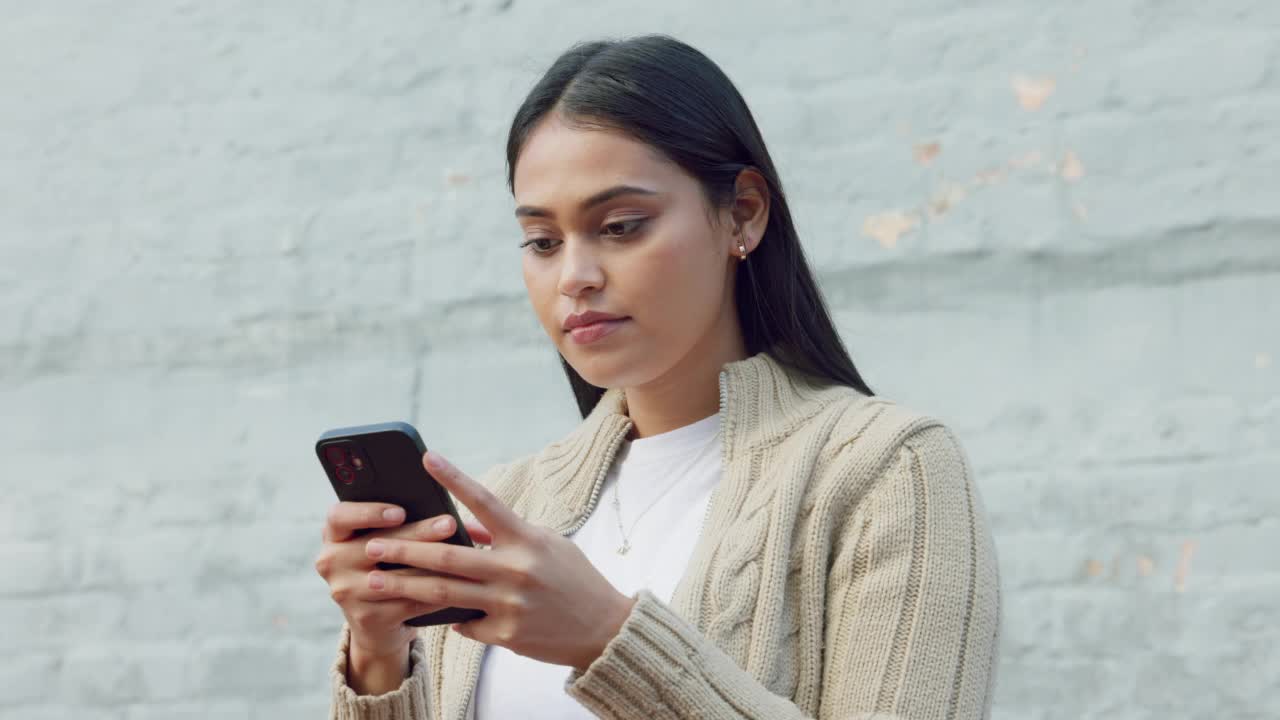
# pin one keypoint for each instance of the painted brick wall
(227, 226)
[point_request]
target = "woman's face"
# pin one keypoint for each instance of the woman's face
(651, 256)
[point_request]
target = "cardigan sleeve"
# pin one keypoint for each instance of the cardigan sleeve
(410, 701)
(912, 611)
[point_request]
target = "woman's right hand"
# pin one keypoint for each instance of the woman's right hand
(378, 633)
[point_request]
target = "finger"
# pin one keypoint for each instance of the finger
(377, 614)
(432, 529)
(480, 534)
(346, 517)
(487, 508)
(442, 591)
(336, 559)
(440, 557)
(481, 630)
(399, 610)
(414, 608)
(465, 629)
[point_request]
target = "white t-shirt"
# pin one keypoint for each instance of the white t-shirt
(675, 472)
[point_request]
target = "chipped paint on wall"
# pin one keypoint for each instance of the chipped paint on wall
(1145, 565)
(1032, 92)
(1184, 566)
(888, 227)
(1070, 169)
(947, 197)
(925, 153)
(1031, 158)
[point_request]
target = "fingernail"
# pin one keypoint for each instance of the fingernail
(393, 514)
(376, 581)
(442, 524)
(375, 548)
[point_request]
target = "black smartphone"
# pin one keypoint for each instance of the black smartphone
(383, 463)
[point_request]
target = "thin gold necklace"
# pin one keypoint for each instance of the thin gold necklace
(617, 511)
(617, 504)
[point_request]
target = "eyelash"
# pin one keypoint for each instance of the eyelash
(637, 223)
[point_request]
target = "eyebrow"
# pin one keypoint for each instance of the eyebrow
(601, 197)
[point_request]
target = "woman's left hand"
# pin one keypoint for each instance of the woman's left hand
(542, 597)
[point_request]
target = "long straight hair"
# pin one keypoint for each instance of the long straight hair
(665, 93)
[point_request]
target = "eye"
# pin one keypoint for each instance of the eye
(615, 230)
(539, 248)
(630, 225)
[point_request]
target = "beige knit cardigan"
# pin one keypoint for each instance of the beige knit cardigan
(846, 569)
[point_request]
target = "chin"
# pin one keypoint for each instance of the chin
(610, 370)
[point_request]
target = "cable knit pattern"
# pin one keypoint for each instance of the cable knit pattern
(846, 570)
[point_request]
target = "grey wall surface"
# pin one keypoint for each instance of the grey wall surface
(228, 226)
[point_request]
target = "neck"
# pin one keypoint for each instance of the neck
(685, 394)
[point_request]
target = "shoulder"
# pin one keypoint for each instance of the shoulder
(862, 442)
(899, 479)
(872, 427)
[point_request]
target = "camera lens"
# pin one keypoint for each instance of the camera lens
(345, 474)
(336, 454)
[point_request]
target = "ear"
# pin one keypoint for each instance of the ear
(750, 210)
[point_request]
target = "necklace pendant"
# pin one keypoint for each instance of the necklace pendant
(624, 548)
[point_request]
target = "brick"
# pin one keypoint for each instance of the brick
(26, 677)
(1193, 65)
(193, 710)
(183, 608)
(101, 675)
(53, 620)
(144, 559)
(60, 711)
(35, 567)
(247, 668)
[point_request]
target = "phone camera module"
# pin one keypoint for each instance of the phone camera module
(336, 454)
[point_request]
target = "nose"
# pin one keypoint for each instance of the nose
(580, 269)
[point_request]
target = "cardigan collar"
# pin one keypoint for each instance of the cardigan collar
(761, 399)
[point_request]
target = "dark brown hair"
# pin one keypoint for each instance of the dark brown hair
(663, 92)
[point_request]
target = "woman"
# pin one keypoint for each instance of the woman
(737, 528)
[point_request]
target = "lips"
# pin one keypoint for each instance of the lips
(592, 332)
(586, 318)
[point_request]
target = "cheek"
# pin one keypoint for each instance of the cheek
(540, 283)
(682, 281)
